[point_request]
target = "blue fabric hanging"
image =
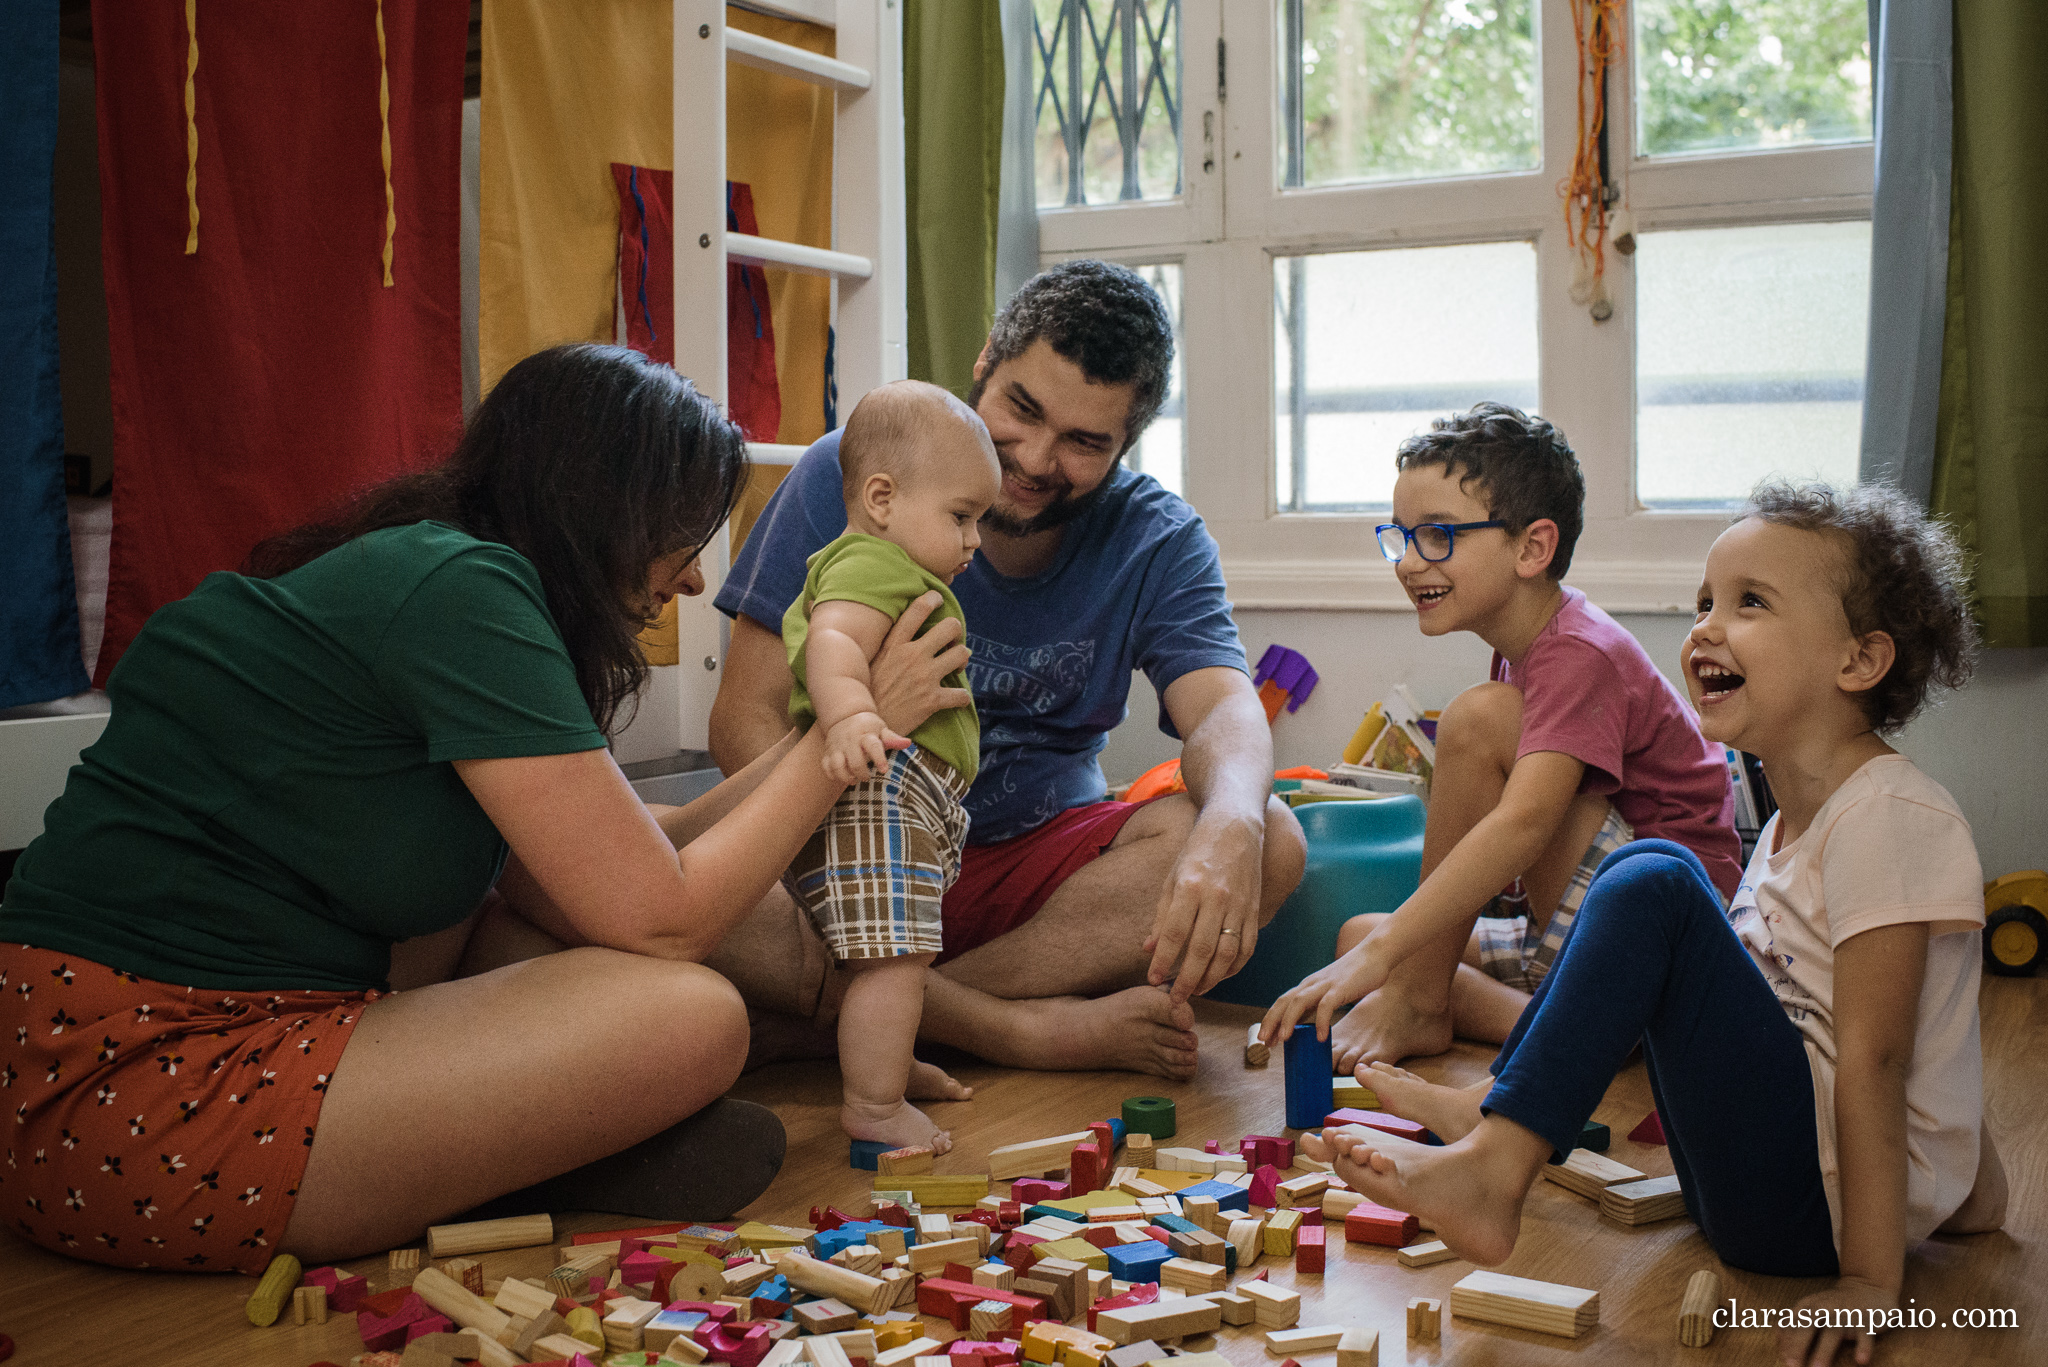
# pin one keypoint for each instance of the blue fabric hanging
(39, 656)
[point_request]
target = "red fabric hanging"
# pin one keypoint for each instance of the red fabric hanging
(270, 373)
(647, 287)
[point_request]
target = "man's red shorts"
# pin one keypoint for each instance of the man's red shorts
(1002, 886)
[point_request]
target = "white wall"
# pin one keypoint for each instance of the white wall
(1988, 744)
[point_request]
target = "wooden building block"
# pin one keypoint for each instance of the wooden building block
(903, 1162)
(865, 1259)
(908, 1353)
(959, 1191)
(1425, 1320)
(625, 1320)
(1058, 1297)
(1696, 1312)
(460, 1304)
(853, 1343)
(685, 1349)
(1359, 1347)
(1182, 1159)
(934, 1257)
(1001, 1276)
(440, 1350)
(1070, 1345)
(1184, 1275)
(826, 1316)
(1588, 1174)
(1299, 1191)
(1204, 1211)
(1161, 1320)
(1034, 1156)
(465, 1272)
(1520, 1303)
(826, 1352)
(991, 1320)
(1138, 1147)
(1349, 1093)
(1273, 1307)
(1256, 1053)
(1338, 1201)
(309, 1305)
(403, 1263)
(525, 1299)
(1237, 1309)
(1308, 1249)
(1134, 1354)
(1312, 1339)
(1278, 1239)
(488, 1236)
(1425, 1254)
(1368, 1222)
(805, 1273)
(539, 1327)
(1643, 1203)
(562, 1346)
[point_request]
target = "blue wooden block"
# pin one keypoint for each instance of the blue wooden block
(1138, 1262)
(774, 1289)
(866, 1153)
(1310, 1066)
(1116, 1131)
(851, 1234)
(1227, 1195)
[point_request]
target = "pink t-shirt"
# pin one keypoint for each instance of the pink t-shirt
(1590, 691)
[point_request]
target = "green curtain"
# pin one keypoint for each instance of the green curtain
(1991, 451)
(952, 155)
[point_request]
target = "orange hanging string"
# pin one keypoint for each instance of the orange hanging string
(191, 127)
(1597, 32)
(384, 112)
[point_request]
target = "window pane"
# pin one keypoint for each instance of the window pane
(1387, 89)
(1718, 74)
(1369, 346)
(1162, 451)
(1749, 358)
(1108, 96)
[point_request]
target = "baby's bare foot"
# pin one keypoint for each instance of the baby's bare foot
(1452, 1112)
(897, 1124)
(929, 1082)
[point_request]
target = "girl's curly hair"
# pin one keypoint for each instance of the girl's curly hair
(1902, 573)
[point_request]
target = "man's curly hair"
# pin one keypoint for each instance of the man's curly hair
(1902, 573)
(1104, 318)
(1523, 466)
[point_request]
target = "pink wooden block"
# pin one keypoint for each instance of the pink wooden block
(1265, 1187)
(1378, 1120)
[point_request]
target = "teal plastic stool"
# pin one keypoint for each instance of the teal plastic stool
(1362, 856)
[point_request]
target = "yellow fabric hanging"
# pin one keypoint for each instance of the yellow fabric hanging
(384, 113)
(569, 89)
(191, 126)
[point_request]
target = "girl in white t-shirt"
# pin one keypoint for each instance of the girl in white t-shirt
(1813, 1050)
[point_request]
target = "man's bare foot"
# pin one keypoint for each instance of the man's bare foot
(1452, 1112)
(929, 1082)
(898, 1124)
(1388, 1026)
(1471, 1191)
(1139, 1030)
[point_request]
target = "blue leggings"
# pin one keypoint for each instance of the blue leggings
(1652, 957)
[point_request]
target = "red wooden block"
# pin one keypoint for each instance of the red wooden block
(1029, 1191)
(943, 1298)
(1308, 1248)
(1104, 1137)
(1088, 1167)
(715, 1311)
(1264, 1189)
(1367, 1223)
(605, 1236)
(1650, 1131)
(939, 1289)
(957, 1272)
(832, 1217)
(1155, 1232)
(386, 1333)
(1102, 1236)
(1378, 1120)
(1267, 1148)
(645, 1267)
(987, 1353)
(741, 1345)
(385, 1303)
(889, 1213)
(1257, 1276)
(1017, 1250)
(1211, 1146)
(1144, 1293)
(432, 1324)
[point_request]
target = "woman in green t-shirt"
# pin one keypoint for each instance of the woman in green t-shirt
(376, 760)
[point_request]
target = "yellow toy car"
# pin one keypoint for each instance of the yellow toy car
(2015, 931)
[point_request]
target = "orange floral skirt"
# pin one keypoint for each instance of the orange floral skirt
(151, 1125)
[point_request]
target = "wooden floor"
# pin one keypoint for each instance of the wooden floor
(61, 1312)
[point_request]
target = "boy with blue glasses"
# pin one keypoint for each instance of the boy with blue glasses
(1574, 746)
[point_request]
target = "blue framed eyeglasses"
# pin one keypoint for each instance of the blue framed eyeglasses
(1433, 539)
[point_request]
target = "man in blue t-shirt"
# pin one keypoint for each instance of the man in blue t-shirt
(1071, 912)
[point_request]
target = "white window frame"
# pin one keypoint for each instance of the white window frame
(1629, 558)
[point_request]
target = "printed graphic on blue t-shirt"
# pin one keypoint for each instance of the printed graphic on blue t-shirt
(1136, 585)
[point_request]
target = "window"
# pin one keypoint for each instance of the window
(1162, 451)
(1367, 232)
(1108, 100)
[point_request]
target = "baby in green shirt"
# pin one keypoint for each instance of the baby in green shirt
(918, 472)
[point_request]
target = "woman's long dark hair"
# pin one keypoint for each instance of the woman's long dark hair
(592, 462)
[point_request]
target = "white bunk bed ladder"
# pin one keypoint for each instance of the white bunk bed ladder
(865, 262)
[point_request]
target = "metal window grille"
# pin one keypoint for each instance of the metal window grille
(1108, 61)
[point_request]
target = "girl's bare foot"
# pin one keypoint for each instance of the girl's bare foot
(897, 1124)
(1471, 1191)
(1452, 1112)
(1389, 1025)
(929, 1082)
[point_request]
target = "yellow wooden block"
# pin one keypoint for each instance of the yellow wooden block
(1351, 1093)
(1075, 1251)
(951, 1190)
(754, 1234)
(1279, 1235)
(1174, 1181)
(1087, 1201)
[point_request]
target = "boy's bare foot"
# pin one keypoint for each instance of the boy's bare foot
(1471, 1191)
(929, 1082)
(1139, 1030)
(1452, 1112)
(897, 1124)
(1388, 1026)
